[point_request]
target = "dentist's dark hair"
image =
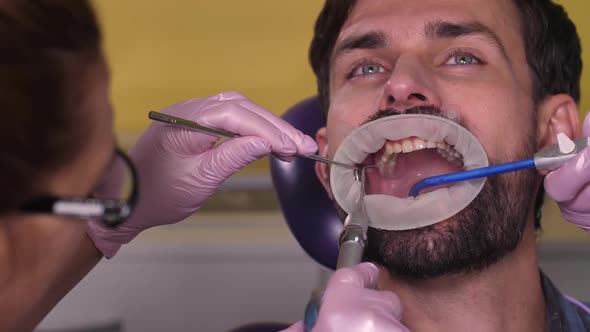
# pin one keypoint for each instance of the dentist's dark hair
(551, 42)
(45, 48)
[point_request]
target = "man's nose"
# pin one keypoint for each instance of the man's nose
(410, 85)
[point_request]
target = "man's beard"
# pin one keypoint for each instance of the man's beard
(488, 229)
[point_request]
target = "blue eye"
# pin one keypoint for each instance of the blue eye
(463, 59)
(367, 69)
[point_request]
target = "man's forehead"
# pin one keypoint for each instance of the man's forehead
(400, 18)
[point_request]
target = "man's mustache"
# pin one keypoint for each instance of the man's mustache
(421, 109)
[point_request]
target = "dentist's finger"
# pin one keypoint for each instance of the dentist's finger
(564, 183)
(305, 143)
(241, 121)
(364, 275)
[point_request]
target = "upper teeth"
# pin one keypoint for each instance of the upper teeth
(406, 145)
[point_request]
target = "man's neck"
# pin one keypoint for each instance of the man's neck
(507, 296)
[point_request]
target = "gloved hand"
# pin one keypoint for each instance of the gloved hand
(351, 303)
(179, 169)
(569, 186)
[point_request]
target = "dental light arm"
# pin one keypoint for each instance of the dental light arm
(549, 158)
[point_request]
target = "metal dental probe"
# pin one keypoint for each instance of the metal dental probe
(549, 158)
(191, 125)
(351, 242)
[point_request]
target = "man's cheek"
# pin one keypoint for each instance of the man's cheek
(349, 111)
(340, 124)
(356, 102)
(495, 136)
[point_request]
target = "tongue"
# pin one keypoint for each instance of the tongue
(409, 169)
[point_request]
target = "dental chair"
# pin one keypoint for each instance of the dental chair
(309, 213)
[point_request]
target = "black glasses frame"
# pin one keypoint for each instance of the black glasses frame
(111, 212)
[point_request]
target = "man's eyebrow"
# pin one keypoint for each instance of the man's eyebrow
(444, 30)
(369, 40)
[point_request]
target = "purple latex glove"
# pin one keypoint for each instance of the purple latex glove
(179, 169)
(569, 186)
(351, 303)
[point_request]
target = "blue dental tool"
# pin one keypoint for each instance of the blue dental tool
(550, 158)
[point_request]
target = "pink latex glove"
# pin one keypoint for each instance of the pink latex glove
(179, 169)
(569, 186)
(351, 303)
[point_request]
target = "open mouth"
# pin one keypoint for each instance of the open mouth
(402, 163)
(404, 150)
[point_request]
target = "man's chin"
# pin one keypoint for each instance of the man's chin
(483, 233)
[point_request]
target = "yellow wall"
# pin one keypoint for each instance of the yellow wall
(162, 52)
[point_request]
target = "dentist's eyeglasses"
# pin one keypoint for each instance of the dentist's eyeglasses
(111, 202)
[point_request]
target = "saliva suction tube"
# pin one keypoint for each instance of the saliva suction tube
(550, 158)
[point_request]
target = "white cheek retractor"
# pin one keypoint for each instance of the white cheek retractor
(393, 213)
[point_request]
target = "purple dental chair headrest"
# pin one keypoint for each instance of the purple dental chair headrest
(312, 218)
(310, 214)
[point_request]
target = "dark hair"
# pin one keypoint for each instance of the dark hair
(45, 47)
(551, 42)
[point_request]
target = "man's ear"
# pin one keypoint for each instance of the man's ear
(321, 169)
(556, 114)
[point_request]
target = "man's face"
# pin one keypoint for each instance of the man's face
(467, 57)
(484, 78)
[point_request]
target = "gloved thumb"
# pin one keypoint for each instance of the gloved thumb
(229, 157)
(363, 275)
(564, 183)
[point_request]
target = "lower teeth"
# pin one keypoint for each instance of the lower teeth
(387, 167)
